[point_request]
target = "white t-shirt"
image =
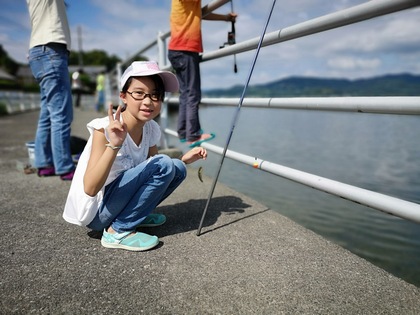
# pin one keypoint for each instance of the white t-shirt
(81, 208)
(49, 23)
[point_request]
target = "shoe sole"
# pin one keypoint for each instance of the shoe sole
(132, 249)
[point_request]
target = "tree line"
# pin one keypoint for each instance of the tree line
(91, 58)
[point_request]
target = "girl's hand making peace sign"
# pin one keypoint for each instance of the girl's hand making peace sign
(117, 131)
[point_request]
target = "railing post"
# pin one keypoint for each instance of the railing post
(108, 93)
(118, 76)
(161, 44)
(163, 124)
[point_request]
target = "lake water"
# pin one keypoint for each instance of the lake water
(375, 152)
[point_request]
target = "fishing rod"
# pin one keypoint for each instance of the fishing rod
(231, 39)
(235, 119)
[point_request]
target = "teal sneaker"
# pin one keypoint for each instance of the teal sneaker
(153, 219)
(134, 242)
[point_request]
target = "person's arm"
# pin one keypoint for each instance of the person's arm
(153, 151)
(230, 17)
(102, 156)
(197, 153)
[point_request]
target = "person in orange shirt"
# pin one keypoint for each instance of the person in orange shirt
(184, 48)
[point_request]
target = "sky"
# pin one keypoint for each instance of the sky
(383, 45)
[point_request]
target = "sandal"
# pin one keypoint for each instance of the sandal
(67, 176)
(200, 140)
(46, 171)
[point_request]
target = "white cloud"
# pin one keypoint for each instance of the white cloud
(351, 63)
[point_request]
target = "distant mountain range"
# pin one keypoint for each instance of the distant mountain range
(387, 85)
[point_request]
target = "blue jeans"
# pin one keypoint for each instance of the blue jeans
(187, 67)
(100, 100)
(49, 65)
(137, 192)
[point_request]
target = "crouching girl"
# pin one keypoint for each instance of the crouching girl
(120, 177)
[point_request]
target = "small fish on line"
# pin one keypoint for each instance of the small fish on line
(200, 174)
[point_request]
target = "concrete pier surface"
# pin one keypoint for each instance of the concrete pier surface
(248, 259)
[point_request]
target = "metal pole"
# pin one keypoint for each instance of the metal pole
(397, 105)
(236, 117)
(163, 117)
(79, 40)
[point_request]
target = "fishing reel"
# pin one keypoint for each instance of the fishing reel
(231, 37)
(231, 40)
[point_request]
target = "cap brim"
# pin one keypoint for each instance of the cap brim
(169, 81)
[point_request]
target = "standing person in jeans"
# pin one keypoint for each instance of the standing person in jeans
(77, 85)
(184, 48)
(100, 91)
(48, 58)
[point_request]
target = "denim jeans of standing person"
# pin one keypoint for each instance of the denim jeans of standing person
(49, 65)
(137, 192)
(187, 67)
(100, 101)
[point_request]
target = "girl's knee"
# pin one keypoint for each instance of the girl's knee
(164, 162)
(171, 166)
(180, 167)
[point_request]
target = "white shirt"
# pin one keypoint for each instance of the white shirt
(76, 82)
(49, 22)
(81, 208)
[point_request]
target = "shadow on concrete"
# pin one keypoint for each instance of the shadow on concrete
(185, 217)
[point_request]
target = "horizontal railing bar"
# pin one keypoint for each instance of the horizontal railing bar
(391, 205)
(208, 8)
(114, 74)
(144, 49)
(406, 105)
(330, 21)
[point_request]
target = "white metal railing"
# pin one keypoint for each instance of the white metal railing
(327, 22)
(407, 105)
(17, 101)
(401, 208)
(391, 205)
(379, 105)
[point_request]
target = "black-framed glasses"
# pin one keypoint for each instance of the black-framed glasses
(139, 96)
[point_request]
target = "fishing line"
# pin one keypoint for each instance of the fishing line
(235, 119)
